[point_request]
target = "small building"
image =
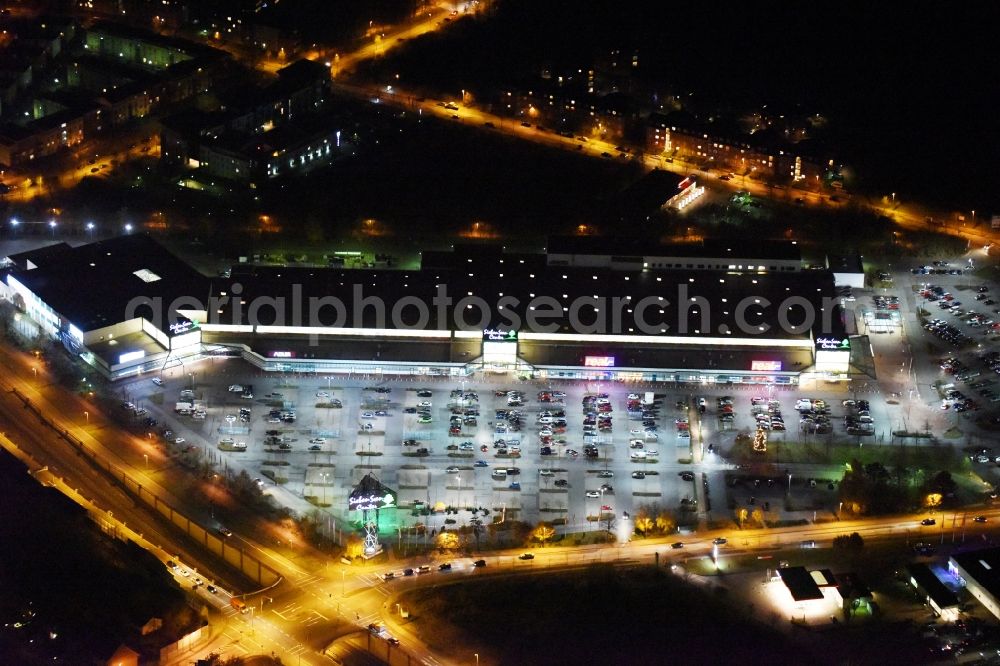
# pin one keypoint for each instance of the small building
(979, 572)
(942, 600)
(847, 270)
(809, 595)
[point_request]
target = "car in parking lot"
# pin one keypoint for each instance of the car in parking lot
(720, 541)
(525, 556)
(638, 475)
(592, 494)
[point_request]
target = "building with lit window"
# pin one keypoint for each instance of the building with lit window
(472, 309)
(283, 128)
(979, 572)
(108, 302)
(761, 154)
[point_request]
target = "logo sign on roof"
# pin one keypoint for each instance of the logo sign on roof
(371, 502)
(765, 366)
(833, 344)
(496, 335)
(177, 328)
(599, 361)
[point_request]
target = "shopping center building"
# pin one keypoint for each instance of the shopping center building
(582, 310)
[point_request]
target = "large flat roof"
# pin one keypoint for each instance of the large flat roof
(984, 566)
(800, 583)
(673, 303)
(932, 585)
(466, 290)
(92, 285)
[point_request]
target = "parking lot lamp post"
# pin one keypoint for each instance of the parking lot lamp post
(343, 577)
(477, 658)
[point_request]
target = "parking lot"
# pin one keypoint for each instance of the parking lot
(573, 455)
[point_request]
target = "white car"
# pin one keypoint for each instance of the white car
(651, 452)
(317, 440)
(367, 415)
(322, 394)
(157, 381)
(451, 470)
(179, 441)
(593, 493)
(236, 388)
(424, 403)
(547, 472)
(230, 418)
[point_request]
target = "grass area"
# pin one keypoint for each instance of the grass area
(925, 456)
(511, 620)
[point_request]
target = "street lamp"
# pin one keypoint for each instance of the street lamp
(52, 226)
(86, 415)
(145, 456)
(477, 658)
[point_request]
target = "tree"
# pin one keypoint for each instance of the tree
(543, 532)
(853, 542)
(940, 488)
(448, 540)
(665, 522)
(355, 546)
(644, 524)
